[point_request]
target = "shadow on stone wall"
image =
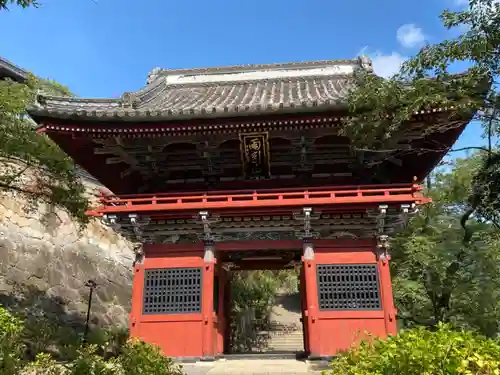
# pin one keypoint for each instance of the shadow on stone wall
(29, 302)
(45, 261)
(51, 327)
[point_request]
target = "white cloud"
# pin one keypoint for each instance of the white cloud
(410, 36)
(384, 65)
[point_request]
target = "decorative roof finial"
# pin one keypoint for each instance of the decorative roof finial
(153, 75)
(366, 63)
(129, 100)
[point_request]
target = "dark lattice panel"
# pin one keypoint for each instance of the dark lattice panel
(348, 287)
(172, 291)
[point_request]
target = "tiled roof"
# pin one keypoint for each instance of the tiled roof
(86, 176)
(8, 69)
(217, 92)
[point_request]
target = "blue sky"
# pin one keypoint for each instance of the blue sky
(102, 48)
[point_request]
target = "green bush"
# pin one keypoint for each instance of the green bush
(145, 359)
(419, 352)
(11, 346)
(44, 364)
(108, 352)
(136, 358)
(40, 335)
(89, 362)
(110, 341)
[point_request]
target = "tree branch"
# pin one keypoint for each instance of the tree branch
(477, 148)
(38, 195)
(11, 179)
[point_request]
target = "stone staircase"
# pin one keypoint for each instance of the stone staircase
(285, 333)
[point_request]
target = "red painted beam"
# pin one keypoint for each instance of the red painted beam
(257, 199)
(261, 265)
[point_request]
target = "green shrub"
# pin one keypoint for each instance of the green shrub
(11, 346)
(109, 354)
(44, 364)
(110, 341)
(145, 359)
(67, 342)
(137, 358)
(39, 334)
(89, 362)
(419, 352)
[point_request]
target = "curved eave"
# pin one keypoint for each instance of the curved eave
(123, 115)
(10, 70)
(321, 115)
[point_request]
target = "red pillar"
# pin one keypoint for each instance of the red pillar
(137, 290)
(311, 312)
(387, 296)
(207, 309)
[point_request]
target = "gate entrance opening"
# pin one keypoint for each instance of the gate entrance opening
(265, 313)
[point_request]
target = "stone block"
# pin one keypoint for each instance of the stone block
(45, 261)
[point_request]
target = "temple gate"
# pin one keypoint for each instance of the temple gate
(239, 168)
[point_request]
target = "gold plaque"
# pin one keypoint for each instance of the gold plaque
(255, 155)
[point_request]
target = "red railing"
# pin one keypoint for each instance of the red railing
(272, 191)
(262, 199)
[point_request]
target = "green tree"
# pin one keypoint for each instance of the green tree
(382, 108)
(31, 164)
(446, 264)
(441, 276)
(4, 4)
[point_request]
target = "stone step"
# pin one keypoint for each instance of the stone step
(276, 335)
(296, 343)
(254, 367)
(286, 341)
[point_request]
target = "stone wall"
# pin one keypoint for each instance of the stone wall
(45, 260)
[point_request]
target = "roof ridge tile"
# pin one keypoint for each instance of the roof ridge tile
(160, 100)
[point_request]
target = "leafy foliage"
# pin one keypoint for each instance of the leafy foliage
(11, 348)
(382, 108)
(137, 358)
(253, 294)
(133, 357)
(4, 4)
(442, 273)
(31, 164)
(420, 351)
(142, 358)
